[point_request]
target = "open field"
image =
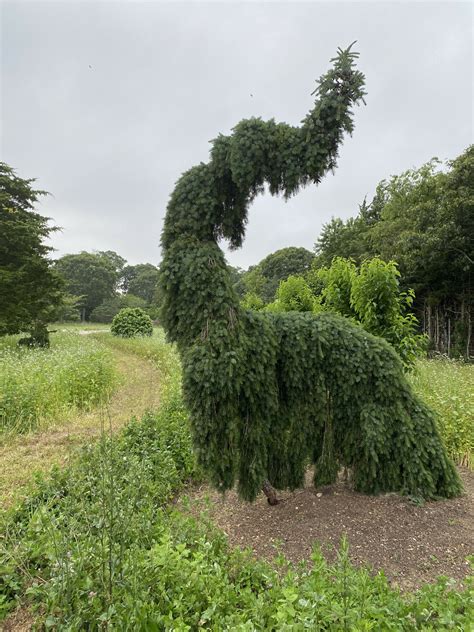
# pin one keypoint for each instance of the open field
(136, 390)
(99, 544)
(40, 385)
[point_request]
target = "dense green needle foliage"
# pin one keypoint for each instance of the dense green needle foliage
(131, 322)
(30, 290)
(270, 393)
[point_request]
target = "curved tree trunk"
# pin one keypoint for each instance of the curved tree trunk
(270, 493)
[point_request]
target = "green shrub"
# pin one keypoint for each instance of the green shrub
(370, 295)
(336, 286)
(131, 322)
(385, 311)
(294, 295)
(251, 300)
(36, 384)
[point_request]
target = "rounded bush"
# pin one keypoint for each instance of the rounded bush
(131, 322)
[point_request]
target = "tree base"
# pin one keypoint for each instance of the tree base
(270, 493)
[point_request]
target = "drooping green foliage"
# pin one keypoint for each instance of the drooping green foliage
(131, 322)
(268, 393)
(29, 289)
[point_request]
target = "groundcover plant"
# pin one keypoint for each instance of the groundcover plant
(98, 545)
(268, 394)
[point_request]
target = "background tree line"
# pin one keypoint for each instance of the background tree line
(423, 220)
(100, 284)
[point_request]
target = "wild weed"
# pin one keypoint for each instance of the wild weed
(36, 384)
(448, 387)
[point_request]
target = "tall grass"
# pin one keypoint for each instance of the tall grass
(78, 326)
(36, 385)
(448, 387)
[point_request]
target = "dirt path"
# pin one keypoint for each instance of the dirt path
(412, 544)
(22, 455)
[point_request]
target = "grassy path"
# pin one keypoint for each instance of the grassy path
(22, 455)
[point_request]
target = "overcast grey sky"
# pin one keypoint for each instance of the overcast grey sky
(107, 103)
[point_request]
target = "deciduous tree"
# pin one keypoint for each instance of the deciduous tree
(91, 275)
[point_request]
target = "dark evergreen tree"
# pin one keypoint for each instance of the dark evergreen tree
(30, 291)
(270, 393)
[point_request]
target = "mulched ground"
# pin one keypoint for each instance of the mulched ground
(412, 544)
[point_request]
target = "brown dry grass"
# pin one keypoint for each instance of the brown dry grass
(22, 455)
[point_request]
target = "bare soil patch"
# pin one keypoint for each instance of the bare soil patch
(20, 620)
(411, 544)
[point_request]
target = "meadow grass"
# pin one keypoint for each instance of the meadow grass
(75, 373)
(78, 326)
(447, 386)
(162, 355)
(57, 443)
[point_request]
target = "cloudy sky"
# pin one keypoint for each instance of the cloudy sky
(107, 103)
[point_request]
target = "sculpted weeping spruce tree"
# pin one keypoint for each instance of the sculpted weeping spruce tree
(269, 394)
